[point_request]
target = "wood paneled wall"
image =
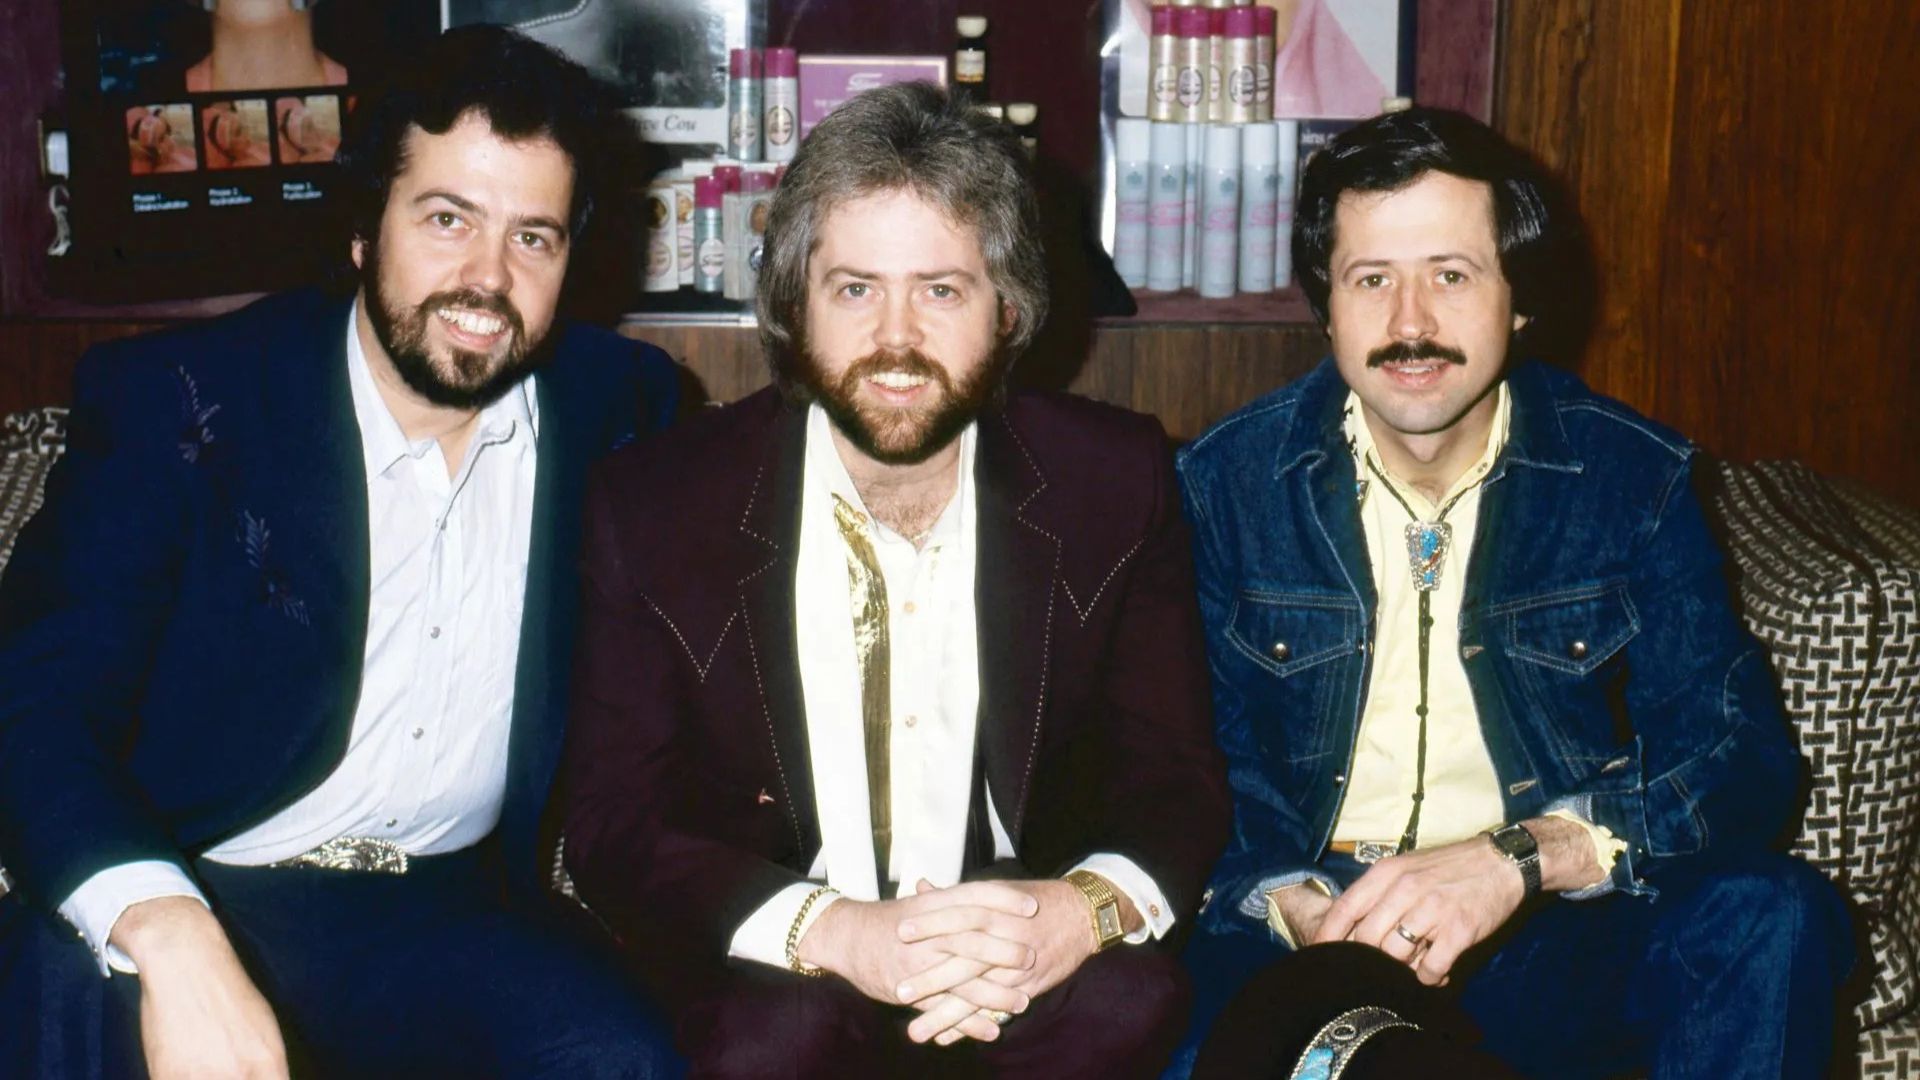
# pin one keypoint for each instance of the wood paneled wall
(1747, 171)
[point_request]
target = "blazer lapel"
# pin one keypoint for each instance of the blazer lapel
(1019, 568)
(769, 536)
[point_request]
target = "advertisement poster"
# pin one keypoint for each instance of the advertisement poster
(667, 57)
(204, 134)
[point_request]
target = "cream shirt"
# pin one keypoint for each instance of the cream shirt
(935, 686)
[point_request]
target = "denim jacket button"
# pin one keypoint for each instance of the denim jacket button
(1577, 650)
(1280, 651)
(1339, 778)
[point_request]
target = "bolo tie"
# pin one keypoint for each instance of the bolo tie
(1427, 545)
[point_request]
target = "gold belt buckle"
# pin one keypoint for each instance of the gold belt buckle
(1372, 851)
(355, 853)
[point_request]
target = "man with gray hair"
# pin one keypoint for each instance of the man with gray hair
(891, 747)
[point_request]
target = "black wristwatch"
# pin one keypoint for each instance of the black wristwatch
(1518, 845)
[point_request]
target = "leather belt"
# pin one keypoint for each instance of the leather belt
(1364, 851)
(353, 853)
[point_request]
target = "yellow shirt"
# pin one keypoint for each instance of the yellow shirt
(1463, 791)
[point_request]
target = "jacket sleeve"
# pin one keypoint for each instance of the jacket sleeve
(1267, 845)
(641, 843)
(1168, 810)
(1713, 763)
(83, 601)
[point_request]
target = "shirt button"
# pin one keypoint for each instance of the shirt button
(908, 607)
(911, 720)
(392, 821)
(419, 731)
(1153, 910)
(434, 632)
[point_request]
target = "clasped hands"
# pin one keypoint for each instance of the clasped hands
(956, 954)
(1426, 907)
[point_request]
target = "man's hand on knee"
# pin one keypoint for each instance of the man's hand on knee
(1427, 907)
(200, 1015)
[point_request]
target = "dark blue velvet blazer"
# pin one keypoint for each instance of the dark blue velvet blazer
(182, 626)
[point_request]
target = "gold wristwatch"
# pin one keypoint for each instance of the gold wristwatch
(1105, 904)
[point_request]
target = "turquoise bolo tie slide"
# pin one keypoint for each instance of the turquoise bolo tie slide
(1427, 544)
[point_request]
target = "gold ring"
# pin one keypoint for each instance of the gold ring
(999, 1017)
(1409, 936)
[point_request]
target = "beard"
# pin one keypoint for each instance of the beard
(463, 379)
(903, 436)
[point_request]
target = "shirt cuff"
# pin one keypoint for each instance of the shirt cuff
(1606, 850)
(1254, 904)
(763, 936)
(1126, 877)
(96, 906)
(1276, 920)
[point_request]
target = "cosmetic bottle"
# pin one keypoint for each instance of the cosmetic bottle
(1259, 201)
(970, 58)
(780, 125)
(1166, 205)
(1288, 172)
(1133, 151)
(709, 240)
(1163, 66)
(743, 105)
(1220, 212)
(1190, 28)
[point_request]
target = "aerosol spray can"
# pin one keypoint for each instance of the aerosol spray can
(1133, 146)
(1166, 205)
(1288, 136)
(1216, 67)
(1264, 23)
(1190, 26)
(1259, 198)
(743, 105)
(1163, 67)
(1243, 83)
(780, 131)
(709, 239)
(1220, 212)
(1190, 251)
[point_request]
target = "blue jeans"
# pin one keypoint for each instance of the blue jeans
(1731, 971)
(368, 974)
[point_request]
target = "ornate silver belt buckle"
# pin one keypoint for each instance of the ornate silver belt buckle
(353, 853)
(1369, 851)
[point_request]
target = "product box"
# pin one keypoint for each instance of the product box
(828, 81)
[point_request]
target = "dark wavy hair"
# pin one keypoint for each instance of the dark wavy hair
(525, 90)
(905, 137)
(1543, 250)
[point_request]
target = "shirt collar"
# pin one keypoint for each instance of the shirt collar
(823, 461)
(1365, 449)
(383, 443)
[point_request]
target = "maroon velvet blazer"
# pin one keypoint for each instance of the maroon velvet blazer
(687, 794)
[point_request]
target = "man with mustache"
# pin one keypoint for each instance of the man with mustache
(282, 659)
(890, 751)
(1486, 704)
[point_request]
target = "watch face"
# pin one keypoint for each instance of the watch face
(1109, 916)
(1515, 841)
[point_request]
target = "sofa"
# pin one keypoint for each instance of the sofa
(1828, 578)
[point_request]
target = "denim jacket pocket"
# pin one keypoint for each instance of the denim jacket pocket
(1572, 631)
(1287, 633)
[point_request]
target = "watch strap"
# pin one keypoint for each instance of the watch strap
(1100, 895)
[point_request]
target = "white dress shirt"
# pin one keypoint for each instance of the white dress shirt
(426, 760)
(934, 658)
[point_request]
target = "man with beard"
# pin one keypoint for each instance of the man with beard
(281, 667)
(890, 751)
(1486, 704)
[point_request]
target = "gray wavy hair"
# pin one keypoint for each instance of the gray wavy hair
(905, 137)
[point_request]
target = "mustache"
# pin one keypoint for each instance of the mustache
(1404, 351)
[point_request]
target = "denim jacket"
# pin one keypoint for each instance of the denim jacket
(1609, 670)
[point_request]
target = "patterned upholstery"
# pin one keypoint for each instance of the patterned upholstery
(1828, 578)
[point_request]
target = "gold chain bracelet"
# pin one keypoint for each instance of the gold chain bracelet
(793, 936)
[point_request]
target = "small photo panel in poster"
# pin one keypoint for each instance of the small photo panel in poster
(160, 139)
(308, 128)
(237, 134)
